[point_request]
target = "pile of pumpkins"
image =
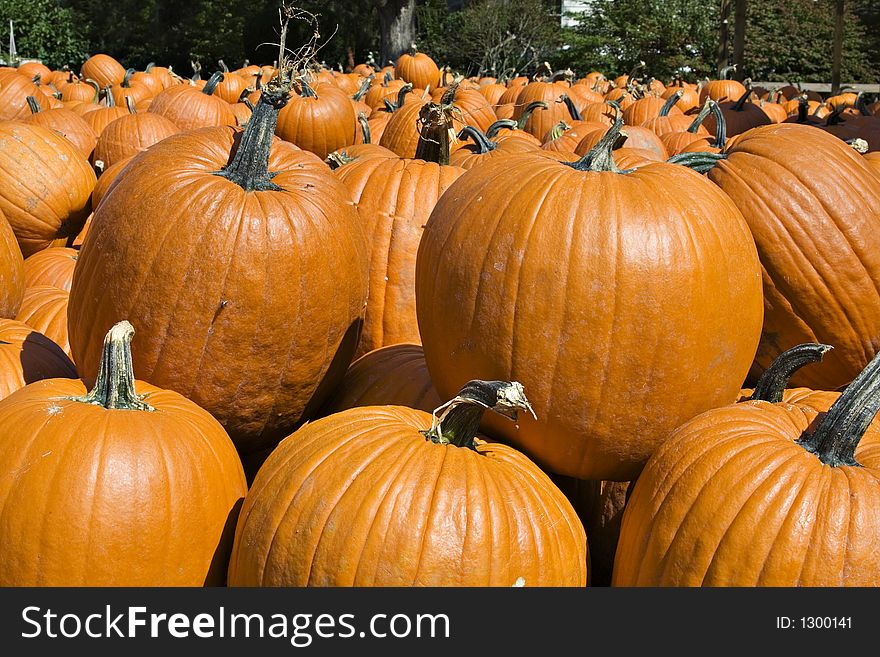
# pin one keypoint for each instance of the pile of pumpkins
(398, 327)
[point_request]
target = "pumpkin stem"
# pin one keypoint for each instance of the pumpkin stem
(249, 168)
(339, 159)
(129, 103)
(803, 108)
(212, 83)
(223, 66)
(33, 105)
(527, 112)
(741, 101)
(724, 73)
(500, 124)
(126, 80)
(457, 421)
(97, 89)
(365, 126)
(114, 386)
(699, 162)
(558, 130)
(699, 118)
(569, 103)
(364, 88)
(670, 102)
(436, 130)
(480, 139)
(600, 157)
(774, 380)
(720, 126)
(836, 438)
(108, 96)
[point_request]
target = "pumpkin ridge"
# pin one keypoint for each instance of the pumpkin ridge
(821, 494)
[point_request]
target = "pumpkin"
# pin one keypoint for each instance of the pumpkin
(289, 296)
(37, 69)
(101, 116)
(394, 198)
(84, 90)
(14, 91)
(11, 271)
(518, 274)
(66, 123)
(648, 108)
(131, 134)
(418, 69)
(103, 69)
(126, 90)
(542, 119)
(190, 108)
(44, 309)
(105, 182)
(45, 186)
(53, 266)
(27, 356)
(152, 78)
(761, 494)
(723, 89)
(799, 187)
(330, 500)
(318, 120)
(740, 116)
(482, 149)
(873, 160)
(142, 487)
(395, 375)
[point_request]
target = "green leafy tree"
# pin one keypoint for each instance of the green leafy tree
(44, 30)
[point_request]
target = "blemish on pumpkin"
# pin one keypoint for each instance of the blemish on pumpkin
(519, 583)
(53, 409)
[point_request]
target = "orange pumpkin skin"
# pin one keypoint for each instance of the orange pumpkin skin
(103, 69)
(393, 198)
(418, 69)
(128, 498)
(105, 182)
(400, 132)
(189, 108)
(732, 500)
(131, 134)
(607, 304)
(53, 210)
(14, 90)
(44, 309)
(320, 495)
(69, 125)
(11, 271)
(319, 123)
(542, 119)
(27, 356)
(798, 187)
(251, 271)
(53, 266)
(396, 375)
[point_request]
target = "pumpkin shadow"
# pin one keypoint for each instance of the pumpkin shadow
(41, 358)
(220, 562)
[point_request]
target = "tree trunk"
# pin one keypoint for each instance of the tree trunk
(837, 50)
(739, 37)
(397, 24)
(723, 54)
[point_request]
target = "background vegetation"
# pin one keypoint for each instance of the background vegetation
(785, 39)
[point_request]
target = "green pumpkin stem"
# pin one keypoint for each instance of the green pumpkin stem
(365, 127)
(670, 102)
(249, 168)
(126, 80)
(836, 438)
(699, 162)
(500, 124)
(558, 130)
(699, 118)
(108, 96)
(771, 386)
(129, 103)
(600, 157)
(739, 105)
(212, 83)
(33, 105)
(720, 126)
(569, 103)
(481, 141)
(223, 66)
(724, 73)
(457, 421)
(114, 385)
(527, 113)
(435, 131)
(364, 88)
(97, 96)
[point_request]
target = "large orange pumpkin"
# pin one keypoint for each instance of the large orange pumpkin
(53, 266)
(27, 356)
(331, 499)
(601, 290)
(319, 120)
(394, 198)
(190, 108)
(103, 69)
(418, 69)
(131, 134)
(761, 494)
(126, 485)
(798, 188)
(66, 123)
(245, 261)
(45, 186)
(11, 271)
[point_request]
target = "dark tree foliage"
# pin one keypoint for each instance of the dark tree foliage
(43, 30)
